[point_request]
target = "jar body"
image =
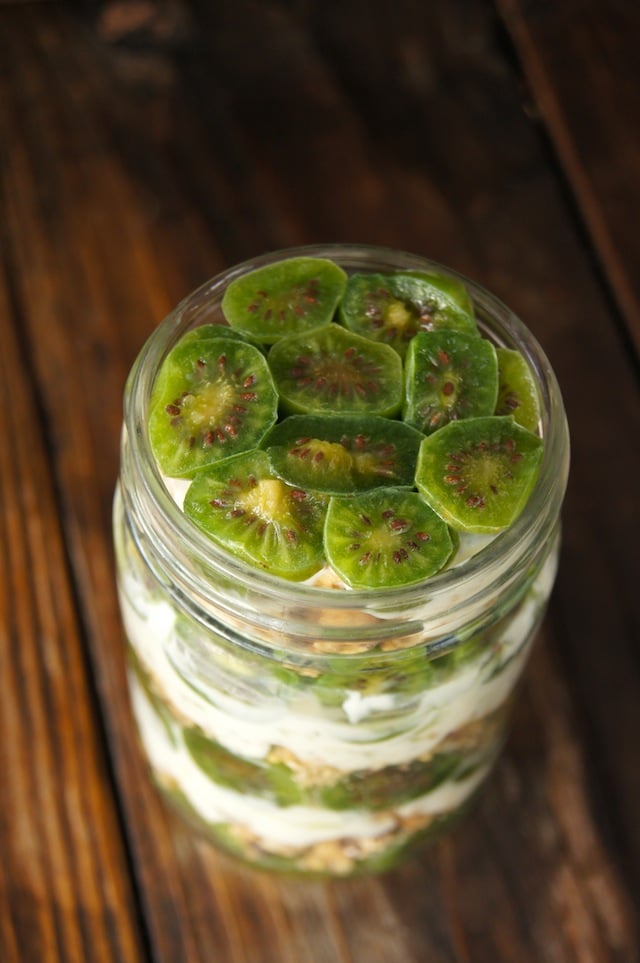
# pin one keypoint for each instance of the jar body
(315, 730)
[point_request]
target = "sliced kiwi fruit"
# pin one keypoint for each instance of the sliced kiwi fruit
(392, 308)
(273, 781)
(384, 538)
(478, 473)
(517, 394)
(449, 375)
(342, 455)
(404, 672)
(244, 507)
(212, 332)
(331, 369)
(288, 297)
(376, 789)
(212, 399)
(451, 286)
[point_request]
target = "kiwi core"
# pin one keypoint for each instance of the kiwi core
(398, 316)
(332, 453)
(470, 474)
(345, 379)
(202, 407)
(267, 500)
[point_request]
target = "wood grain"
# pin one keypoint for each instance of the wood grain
(581, 65)
(129, 175)
(64, 877)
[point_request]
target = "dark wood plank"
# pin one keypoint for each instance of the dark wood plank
(65, 892)
(159, 167)
(580, 60)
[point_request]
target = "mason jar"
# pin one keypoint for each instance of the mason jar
(304, 727)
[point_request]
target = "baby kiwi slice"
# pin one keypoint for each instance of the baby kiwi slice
(212, 399)
(451, 286)
(248, 510)
(293, 295)
(385, 538)
(517, 394)
(331, 369)
(244, 775)
(390, 786)
(341, 455)
(392, 308)
(478, 473)
(449, 375)
(211, 332)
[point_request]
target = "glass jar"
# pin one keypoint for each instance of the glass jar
(306, 728)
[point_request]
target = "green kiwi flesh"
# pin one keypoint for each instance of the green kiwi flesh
(211, 332)
(450, 375)
(392, 308)
(478, 473)
(273, 781)
(212, 399)
(244, 507)
(517, 394)
(385, 538)
(332, 369)
(345, 454)
(450, 286)
(288, 297)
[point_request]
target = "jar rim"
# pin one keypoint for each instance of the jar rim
(537, 518)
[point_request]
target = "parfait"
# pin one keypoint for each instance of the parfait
(336, 533)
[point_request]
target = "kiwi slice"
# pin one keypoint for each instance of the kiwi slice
(242, 504)
(344, 454)
(211, 332)
(384, 538)
(454, 288)
(392, 308)
(212, 399)
(517, 394)
(331, 369)
(285, 298)
(478, 473)
(273, 781)
(449, 375)
(376, 789)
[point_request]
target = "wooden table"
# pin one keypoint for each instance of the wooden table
(144, 147)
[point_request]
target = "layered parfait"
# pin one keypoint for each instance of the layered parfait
(357, 444)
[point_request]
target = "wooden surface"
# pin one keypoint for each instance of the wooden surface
(144, 147)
